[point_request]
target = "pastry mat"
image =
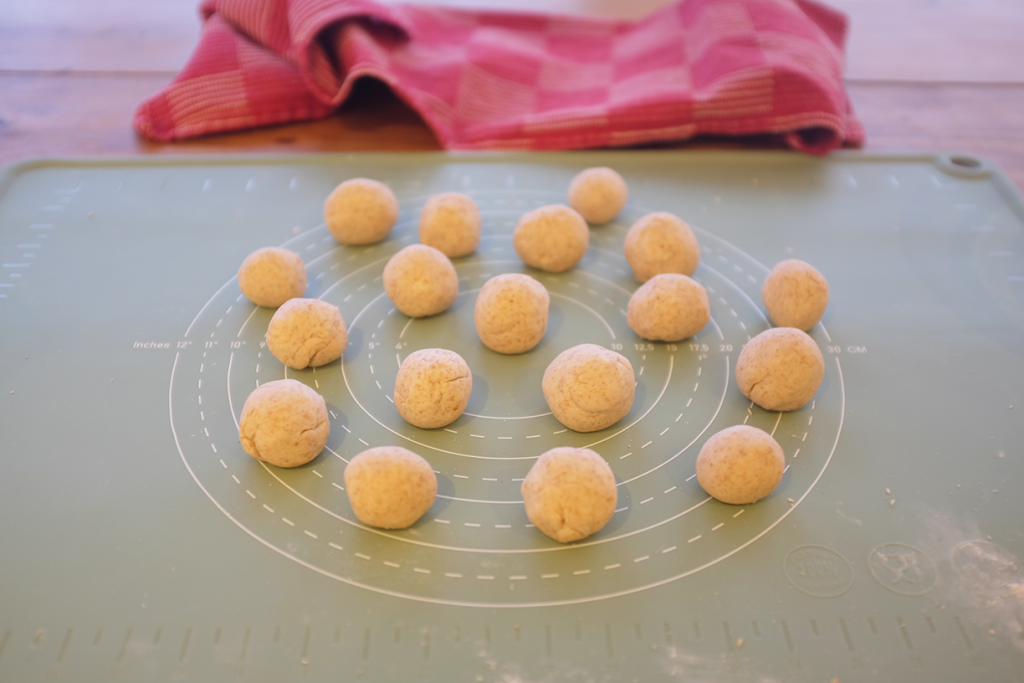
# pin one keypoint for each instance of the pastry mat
(139, 542)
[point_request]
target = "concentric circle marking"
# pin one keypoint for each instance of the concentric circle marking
(476, 546)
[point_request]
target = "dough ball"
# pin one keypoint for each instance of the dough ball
(361, 211)
(598, 194)
(307, 333)
(390, 487)
(433, 387)
(661, 243)
(272, 275)
(795, 294)
(552, 238)
(511, 313)
(780, 369)
(589, 387)
(570, 493)
(668, 307)
(740, 465)
(421, 281)
(450, 222)
(284, 422)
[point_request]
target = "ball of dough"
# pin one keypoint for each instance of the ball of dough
(780, 369)
(360, 211)
(450, 222)
(740, 465)
(598, 194)
(552, 238)
(661, 243)
(589, 387)
(284, 422)
(307, 333)
(511, 313)
(421, 281)
(668, 307)
(570, 493)
(795, 294)
(272, 275)
(390, 487)
(433, 387)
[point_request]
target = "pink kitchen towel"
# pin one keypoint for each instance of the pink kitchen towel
(518, 81)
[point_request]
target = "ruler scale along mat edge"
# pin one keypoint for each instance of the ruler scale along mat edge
(892, 547)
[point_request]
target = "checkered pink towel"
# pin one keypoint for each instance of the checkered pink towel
(493, 80)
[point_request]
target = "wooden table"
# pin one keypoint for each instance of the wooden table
(923, 75)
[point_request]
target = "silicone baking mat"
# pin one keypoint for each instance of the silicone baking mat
(139, 542)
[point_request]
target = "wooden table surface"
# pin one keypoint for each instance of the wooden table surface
(924, 75)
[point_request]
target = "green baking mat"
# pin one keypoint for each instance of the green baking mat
(139, 542)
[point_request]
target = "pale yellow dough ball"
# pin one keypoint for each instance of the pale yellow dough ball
(360, 211)
(589, 387)
(307, 333)
(661, 243)
(740, 465)
(390, 487)
(570, 493)
(668, 307)
(598, 194)
(432, 388)
(284, 423)
(272, 275)
(511, 313)
(552, 238)
(450, 222)
(421, 281)
(780, 369)
(795, 294)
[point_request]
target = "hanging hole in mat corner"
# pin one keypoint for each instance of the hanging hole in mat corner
(966, 162)
(963, 166)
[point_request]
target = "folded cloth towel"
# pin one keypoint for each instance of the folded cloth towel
(501, 80)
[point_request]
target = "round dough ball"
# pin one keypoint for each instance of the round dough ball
(433, 387)
(421, 281)
(661, 243)
(307, 333)
(668, 307)
(552, 238)
(780, 369)
(570, 493)
(598, 194)
(360, 211)
(272, 275)
(589, 387)
(450, 222)
(795, 294)
(390, 487)
(740, 465)
(284, 422)
(511, 313)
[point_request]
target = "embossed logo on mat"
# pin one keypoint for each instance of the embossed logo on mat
(903, 569)
(987, 566)
(818, 571)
